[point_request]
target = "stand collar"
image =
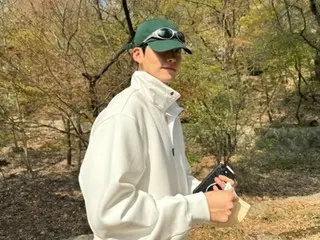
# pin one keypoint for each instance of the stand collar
(159, 93)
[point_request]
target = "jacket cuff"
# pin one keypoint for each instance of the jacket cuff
(198, 209)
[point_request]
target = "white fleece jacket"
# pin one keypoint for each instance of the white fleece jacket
(135, 178)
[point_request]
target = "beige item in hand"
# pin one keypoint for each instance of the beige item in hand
(239, 212)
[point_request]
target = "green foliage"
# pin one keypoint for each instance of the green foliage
(193, 157)
(285, 148)
(246, 62)
(216, 126)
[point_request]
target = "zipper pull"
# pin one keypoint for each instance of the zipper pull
(172, 151)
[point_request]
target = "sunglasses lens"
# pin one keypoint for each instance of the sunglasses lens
(165, 33)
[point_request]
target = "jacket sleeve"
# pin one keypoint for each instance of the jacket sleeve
(113, 165)
(192, 181)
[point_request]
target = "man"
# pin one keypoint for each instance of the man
(135, 178)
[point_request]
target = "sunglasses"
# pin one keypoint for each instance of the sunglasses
(166, 33)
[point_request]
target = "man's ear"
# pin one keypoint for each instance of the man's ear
(137, 54)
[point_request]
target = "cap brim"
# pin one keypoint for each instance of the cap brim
(168, 44)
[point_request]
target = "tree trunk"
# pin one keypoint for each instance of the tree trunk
(25, 154)
(315, 10)
(300, 94)
(14, 135)
(21, 128)
(68, 140)
(93, 98)
(79, 153)
(317, 66)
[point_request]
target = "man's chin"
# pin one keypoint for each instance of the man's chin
(168, 79)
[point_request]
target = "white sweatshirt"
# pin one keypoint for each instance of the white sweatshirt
(135, 178)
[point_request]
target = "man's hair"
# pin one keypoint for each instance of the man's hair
(143, 47)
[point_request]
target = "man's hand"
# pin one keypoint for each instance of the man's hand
(221, 180)
(221, 202)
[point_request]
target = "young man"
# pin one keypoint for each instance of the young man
(135, 178)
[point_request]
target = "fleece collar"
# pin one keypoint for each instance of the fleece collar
(159, 93)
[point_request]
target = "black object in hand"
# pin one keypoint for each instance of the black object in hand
(208, 183)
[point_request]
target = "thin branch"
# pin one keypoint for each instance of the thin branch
(276, 13)
(308, 41)
(304, 28)
(126, 12)
(288, 14)
(315, 10)
(95, 78)
(268, 96)
(205, 4)
(98, 10)
(109, 64)
(211, 50)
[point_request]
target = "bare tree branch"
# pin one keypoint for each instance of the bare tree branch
(211, 50)
(126, 12)
(288, 14)
(304, 28)
(276, 13)
(214, 8)
(315, 10)
(314, 46)
(98, 10)
(108, 65)
(95, 78)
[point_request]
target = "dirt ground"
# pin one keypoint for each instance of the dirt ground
(50, 206)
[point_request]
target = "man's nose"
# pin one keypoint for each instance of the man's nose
(171, 56)
(171, 59)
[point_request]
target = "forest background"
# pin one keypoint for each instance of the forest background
(250, 90)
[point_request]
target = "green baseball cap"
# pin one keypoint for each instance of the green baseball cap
(146, 28)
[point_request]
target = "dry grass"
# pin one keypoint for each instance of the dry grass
(279, 177)
(286, 218)
(276, 178)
